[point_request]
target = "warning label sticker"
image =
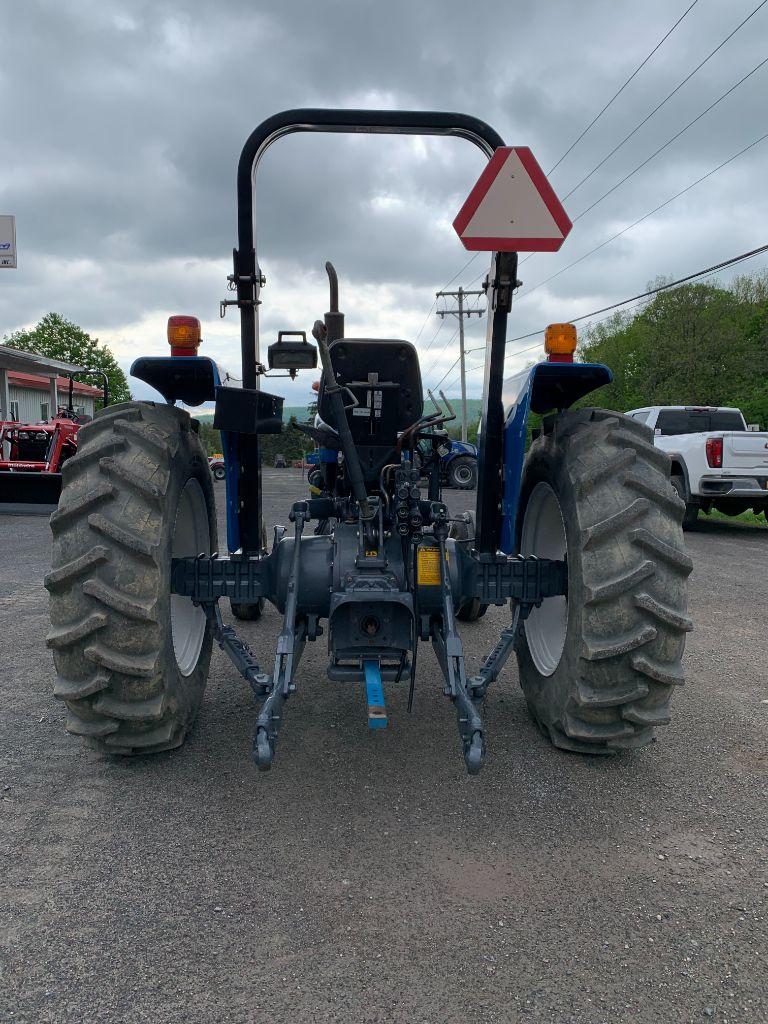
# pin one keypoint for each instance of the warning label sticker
(428, 567)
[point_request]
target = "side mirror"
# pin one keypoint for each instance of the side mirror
(292, 354)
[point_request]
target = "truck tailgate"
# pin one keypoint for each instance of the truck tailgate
(745, 451)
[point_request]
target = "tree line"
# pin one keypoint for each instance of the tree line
(698, 344)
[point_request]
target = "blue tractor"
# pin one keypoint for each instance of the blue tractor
(458, 462)
(579, 541)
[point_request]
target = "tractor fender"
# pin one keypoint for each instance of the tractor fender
(540, 388)
(190, 379)
(459, 448)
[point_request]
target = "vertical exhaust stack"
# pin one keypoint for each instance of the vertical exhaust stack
(325, 333)
(334, 320)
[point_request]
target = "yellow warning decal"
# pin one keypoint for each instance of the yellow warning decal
(428, 566)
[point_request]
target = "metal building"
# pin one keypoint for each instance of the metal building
(32, 388)
(30, 397)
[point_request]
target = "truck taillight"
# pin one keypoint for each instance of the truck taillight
(715, 452)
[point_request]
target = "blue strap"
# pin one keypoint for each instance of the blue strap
(374, 693)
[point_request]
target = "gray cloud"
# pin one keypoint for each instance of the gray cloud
(123, 123)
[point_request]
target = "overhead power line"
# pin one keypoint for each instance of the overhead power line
(630, 302)
(637, 127)
(434, 336)
(645, 216)
(619, 91)
(673, 138)
(653, 291)
(426, 318)
(439, 354)
(449, 370)
(575, 143)
(666, 99)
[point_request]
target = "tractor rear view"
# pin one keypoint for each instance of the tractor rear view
(579, 540)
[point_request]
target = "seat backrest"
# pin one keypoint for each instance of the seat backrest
(382, 412)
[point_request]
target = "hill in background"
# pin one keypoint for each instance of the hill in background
(474, 408)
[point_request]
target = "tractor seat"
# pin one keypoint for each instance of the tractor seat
(385, 379)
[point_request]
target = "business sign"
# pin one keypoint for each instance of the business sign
(7, 240)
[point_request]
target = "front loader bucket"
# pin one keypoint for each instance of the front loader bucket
(29, 493)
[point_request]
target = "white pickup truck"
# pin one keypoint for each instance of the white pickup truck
(716, 461)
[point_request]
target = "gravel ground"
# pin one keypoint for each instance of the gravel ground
(367, 878)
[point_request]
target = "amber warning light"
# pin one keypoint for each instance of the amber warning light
(560, 343)
(183, 335)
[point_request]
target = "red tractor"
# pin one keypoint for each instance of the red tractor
(32, 454)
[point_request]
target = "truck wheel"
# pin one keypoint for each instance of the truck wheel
(462, 473)
(218, 473)
(464, 530)
(691, 513)
(598, 667)
(131, 658)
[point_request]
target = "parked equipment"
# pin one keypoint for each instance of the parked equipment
(580, 540)
(32, 455)
(457, 460)
(216, 462)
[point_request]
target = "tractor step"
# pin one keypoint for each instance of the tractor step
(391, 672)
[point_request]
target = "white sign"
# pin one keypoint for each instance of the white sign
(512, 208)
(7, 241)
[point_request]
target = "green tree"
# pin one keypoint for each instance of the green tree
(699, 344)
(58, 338)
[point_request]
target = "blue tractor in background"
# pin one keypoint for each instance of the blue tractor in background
(578, 539)
(458, 463)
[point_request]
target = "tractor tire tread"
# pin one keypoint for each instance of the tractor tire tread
(622, 662)
(70, 571)
(109, 580)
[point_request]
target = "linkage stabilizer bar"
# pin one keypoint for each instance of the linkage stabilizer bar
(450, 655)
(290, 646)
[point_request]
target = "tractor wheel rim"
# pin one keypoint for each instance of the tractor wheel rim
(191, 536)
(543, 535)
(463, 474)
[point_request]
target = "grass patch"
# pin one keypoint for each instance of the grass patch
(747, 517)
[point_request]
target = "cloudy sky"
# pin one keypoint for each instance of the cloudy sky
(122, 123)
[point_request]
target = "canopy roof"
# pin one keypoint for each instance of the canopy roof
(28, 362)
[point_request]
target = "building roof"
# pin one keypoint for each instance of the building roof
(27, 362)
(29, 380)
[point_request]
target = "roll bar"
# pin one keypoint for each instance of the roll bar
(247, 279)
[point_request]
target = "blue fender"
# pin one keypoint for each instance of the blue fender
(188, 379)
(459, 448)
(540, 388)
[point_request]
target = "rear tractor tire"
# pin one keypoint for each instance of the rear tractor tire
(599, 666)
(462, 473)
(131, 658)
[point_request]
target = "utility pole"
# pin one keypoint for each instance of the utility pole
(461, 312)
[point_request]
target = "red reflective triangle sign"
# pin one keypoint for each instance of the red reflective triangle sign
(512, 208)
